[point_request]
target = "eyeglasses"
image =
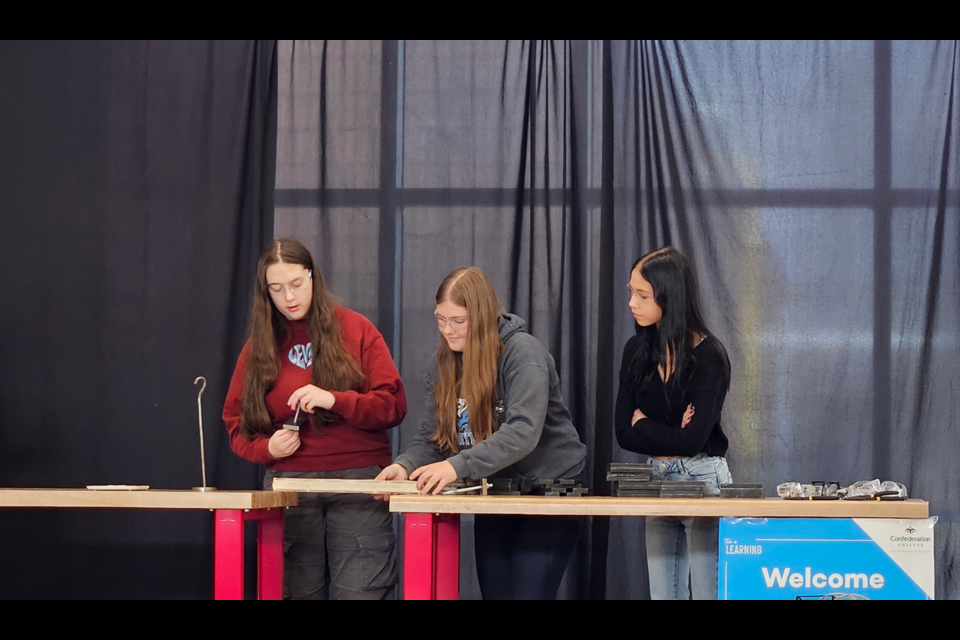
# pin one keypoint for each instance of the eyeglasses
(294, 286)
(456, 323)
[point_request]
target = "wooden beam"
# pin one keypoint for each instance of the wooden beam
(612, 506)
(337, 485)
(152, 499)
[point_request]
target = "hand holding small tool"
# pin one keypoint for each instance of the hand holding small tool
(283, 443)
(311, 397)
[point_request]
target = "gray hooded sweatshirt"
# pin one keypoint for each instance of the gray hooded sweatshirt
(535, 437)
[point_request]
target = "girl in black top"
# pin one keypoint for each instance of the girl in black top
(673, 380)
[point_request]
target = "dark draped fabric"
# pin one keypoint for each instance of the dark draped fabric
(466, 157)
(137, 195)
(814, 186)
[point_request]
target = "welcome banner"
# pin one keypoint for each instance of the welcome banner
(826, 559)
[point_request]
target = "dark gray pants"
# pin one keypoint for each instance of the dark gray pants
(337, 546)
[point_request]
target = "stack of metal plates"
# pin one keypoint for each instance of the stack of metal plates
(633, 480)
(631, 489)
(536, 487)
(564, 487)
(741, 490)
(682, 489)
(504, 487)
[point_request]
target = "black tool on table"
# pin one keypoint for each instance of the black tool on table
(882, 496)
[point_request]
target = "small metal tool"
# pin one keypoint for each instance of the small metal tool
(482, 488)
(203, 460)
(294, 426)
(447, 492)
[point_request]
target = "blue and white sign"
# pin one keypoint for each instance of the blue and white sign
(826, 559)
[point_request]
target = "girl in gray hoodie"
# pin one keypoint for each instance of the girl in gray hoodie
(498, 412)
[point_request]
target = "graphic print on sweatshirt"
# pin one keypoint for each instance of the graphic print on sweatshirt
(301, 355)
(464, 435)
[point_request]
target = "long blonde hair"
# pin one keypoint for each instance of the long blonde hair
(472, 374)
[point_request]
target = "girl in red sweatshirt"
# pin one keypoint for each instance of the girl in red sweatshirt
(331, 363)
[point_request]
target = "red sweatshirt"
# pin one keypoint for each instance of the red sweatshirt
(359, 438)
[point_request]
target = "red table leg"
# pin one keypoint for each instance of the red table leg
(446, 566)
(228, 555)
(270, 554)
(418, 556)
(431, 566)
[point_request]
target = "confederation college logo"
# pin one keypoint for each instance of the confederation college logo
(909, 539)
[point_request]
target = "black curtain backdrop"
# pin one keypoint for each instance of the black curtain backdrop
(398, 162)
(137, 193)
(814, 185)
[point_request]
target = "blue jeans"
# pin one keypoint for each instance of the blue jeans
(682, 552)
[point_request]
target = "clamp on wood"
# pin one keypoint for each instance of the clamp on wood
(482, 487)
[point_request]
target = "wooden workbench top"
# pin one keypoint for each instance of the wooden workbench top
(336, 485)
(151, 499)
(610, 506)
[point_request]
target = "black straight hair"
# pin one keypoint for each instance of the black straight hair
(676, 293)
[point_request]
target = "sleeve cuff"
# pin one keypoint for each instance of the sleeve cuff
(405, 464)
(460, 466)
(262, 448)
(344, 403)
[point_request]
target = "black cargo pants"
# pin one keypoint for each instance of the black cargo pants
(337, 546)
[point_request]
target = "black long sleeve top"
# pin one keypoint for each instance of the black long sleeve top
(659, 434)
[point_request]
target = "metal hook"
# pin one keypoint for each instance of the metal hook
(203, 458)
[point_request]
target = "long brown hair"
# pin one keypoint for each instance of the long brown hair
(471, 375)
(334, 369)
